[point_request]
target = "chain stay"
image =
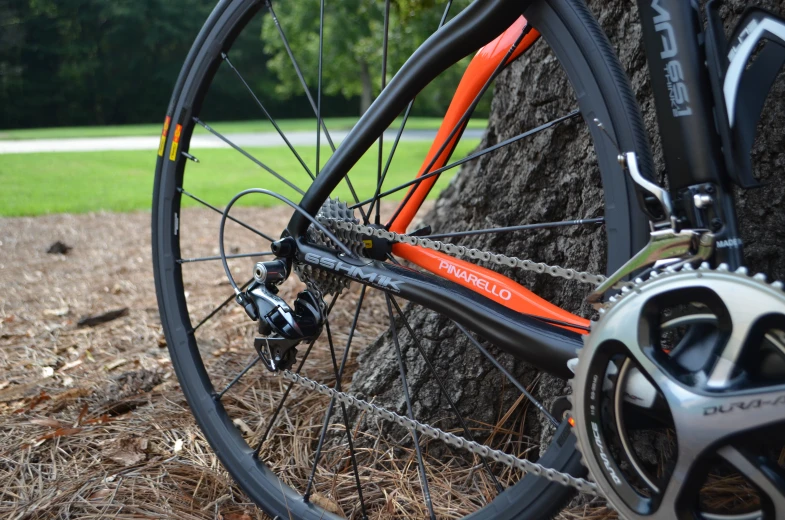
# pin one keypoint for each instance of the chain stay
(526, 466)
(459, 251)
(582, 485)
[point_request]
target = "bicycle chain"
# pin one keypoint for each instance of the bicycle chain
(459, 251)
(565, 479)
(526, 466)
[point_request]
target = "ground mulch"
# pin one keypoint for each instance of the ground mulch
(92, 422)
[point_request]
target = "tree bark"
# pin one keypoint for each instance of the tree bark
(366, 96)
(548, 178)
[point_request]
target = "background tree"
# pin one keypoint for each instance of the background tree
(353, 37)
(546, 179)
(79, 62)
(97, 62)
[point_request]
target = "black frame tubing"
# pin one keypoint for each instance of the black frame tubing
(675, 49)
(545, 346)
(474, 27)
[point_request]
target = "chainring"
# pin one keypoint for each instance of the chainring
(630, 364)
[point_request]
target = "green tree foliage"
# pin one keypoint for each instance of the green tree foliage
(352, 55)
(96, 62)
(92, 61)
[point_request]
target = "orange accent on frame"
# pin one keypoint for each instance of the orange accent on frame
(479, 279)
(489, 283)
(477, 73)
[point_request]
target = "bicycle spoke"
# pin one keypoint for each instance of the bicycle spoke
(238, 377)
(509, 376)
(319, 121)
(267, 114)
(328, 414)
(299, 73)
(409, 410)
(319, 87)
(228, 257)
(562, 223)
(322, 434)
(221, 306)
(443, 390)
(384, 84)
(380, 181)
(347, 426)
(461, 125)
(207, 204)
(468, 158)
(445, 13)
(281, 401)
(249, 156)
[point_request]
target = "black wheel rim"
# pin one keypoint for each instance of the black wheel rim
(173, 305)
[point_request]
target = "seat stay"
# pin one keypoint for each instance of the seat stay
(477, 25)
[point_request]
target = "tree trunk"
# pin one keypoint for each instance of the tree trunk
(366, 96)
(548, 178)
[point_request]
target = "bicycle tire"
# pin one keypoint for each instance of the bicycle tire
(604, 92)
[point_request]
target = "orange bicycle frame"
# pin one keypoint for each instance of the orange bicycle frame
(479, 279)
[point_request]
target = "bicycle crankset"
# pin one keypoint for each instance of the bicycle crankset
(701, 355)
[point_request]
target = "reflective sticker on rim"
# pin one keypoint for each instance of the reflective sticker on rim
(175, 142)
(164, 133)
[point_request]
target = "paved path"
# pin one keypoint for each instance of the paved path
(247, 140)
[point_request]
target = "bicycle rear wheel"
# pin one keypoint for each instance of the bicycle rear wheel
(226, 411)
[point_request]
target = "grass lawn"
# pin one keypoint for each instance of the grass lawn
(227, 127)
(36, 184)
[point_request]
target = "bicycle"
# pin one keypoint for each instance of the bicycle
(687, 345)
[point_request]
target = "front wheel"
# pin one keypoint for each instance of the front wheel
(302, 455)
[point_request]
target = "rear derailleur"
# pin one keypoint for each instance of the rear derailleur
(282, 328)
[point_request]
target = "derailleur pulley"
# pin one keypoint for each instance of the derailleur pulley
(282, 328)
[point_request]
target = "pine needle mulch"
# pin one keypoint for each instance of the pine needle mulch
(92, 421)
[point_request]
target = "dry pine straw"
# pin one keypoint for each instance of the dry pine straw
(92, 422)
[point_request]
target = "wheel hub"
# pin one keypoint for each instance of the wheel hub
(322, 280)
